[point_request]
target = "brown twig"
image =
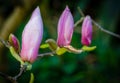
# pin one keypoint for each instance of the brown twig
(14, 79)
(96, 24)
(22, 69)
(45, 54)
(104, 30)
(7, 77)
(81, 12)
(4, 43)
(78, 22)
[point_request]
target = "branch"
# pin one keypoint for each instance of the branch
(22, 69)
(14, 79)
(104, 30)
(79, 21)
(96, 24)
(46, 54)
(4, 42)
(7, 77)
(81, 12)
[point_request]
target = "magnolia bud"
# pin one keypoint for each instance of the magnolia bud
(13, 41)
(65, 28)
(32, 37)
(86, 31)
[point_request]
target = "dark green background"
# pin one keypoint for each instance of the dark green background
(99, 66)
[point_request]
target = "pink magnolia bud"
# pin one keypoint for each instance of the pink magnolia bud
(65, 28)
(14, 42)
(32, 37)
(86, 31)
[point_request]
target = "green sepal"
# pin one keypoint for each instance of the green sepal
(15, 55)
(61, 51)
(43, 46)
(29, 65)
(52, 44)
(31, 78)
(87, 48)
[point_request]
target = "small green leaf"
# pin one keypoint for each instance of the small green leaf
(61, 51)
(29, 65)
(52, 44)
(31, 78)
(15, 55)
(43, 46)
(86, 48)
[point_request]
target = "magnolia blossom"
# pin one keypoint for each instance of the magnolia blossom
(86, 31)
(32, 37)
(13, 41)
(65, 28)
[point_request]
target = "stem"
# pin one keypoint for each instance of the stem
(7, 77)
(96, 24)
(4, 42)
(78, 22)
(14, 79)
(45, 54)
(22, 69)
(81, 12)
(104, 30)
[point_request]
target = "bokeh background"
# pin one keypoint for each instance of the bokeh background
(99, 66)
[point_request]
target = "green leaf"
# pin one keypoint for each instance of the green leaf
(15, 55)
(87, 48)
(61, 51)
(31, 78)
(52, 44)
(43, 46)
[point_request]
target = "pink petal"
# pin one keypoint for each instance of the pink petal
(65, 28)
(86, 31)
(32, 37)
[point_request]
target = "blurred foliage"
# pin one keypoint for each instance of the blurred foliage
(99, 66)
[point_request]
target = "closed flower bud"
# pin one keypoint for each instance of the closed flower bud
(65, 28)
(13, 41)
(86, 31)
(32, 37)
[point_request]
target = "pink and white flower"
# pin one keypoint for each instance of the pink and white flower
(65, 28)
(32, 37)
(86, 31)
